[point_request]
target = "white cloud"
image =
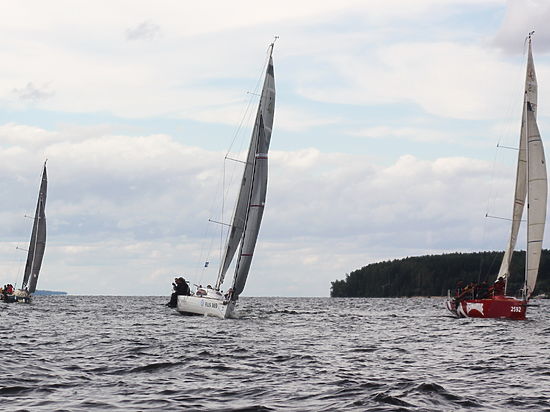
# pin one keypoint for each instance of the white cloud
(406, 133)
(522, 17)
(126, 213)
(94, 69)
(445, 79)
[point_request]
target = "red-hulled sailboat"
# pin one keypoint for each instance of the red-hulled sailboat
(531, 185)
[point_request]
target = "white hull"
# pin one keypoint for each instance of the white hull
(206, 306)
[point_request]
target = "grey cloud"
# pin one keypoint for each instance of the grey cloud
(32, 93)
(146, 30)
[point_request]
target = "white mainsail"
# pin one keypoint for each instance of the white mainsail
(242, 217)
(520, 193)
(37, 243)
(537, 194)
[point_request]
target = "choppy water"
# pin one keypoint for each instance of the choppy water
(293, 354)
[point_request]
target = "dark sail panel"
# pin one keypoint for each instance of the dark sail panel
(37, 244)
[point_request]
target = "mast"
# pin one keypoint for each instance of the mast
(37, 244)
(520, 192)
(265, 113)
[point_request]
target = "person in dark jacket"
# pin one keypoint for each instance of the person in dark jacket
(180, 288)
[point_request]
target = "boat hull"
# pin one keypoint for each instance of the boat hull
(205, 306)
(503, 307)
(15, 299)
(18, 296)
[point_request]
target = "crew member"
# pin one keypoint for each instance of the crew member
(180, 288)
(499, 286)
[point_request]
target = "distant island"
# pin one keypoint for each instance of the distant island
(48, 292)
(433, 275)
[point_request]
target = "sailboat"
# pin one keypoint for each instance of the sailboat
(37, 246)
(531, 186)
(247, 216)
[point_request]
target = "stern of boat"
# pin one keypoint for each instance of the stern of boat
(451, 305)
(498, 307)
(205, 306)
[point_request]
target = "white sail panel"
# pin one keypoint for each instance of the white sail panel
(37, 243)
(531, 86)
(520, 193)
(266, 110)
(537, 199)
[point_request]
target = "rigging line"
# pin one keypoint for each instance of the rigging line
(20, 266)
(248, 114)
(235, 160)
(222, 218)
(219, 223)
(250, 101)
(511, 108)
(246, 119)
(507, 147)
(198, 271)
(501, 218)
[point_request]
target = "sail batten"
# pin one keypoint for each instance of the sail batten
(263, 125)
(37, 244)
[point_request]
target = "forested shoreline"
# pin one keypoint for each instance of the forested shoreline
(433, 275)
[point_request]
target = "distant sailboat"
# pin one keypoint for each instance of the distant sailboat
(247, 217)
(37, 246)
(531, 185)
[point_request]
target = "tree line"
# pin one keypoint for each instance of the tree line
(433, 275)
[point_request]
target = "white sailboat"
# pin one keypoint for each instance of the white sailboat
(37, 246)
(247, 216)
(531, 186)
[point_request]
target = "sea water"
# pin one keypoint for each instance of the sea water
(83, 353)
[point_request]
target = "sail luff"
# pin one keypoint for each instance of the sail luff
(266, 108)
(520, 192)
(537, 202)
(37, 244)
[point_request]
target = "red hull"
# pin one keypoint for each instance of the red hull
(495, 307)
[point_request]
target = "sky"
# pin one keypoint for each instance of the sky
(387, 120)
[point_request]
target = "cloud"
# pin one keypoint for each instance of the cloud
(406, 133)
(436, 76)
(211, 43)
(136, 172)
(134, 210)
(32, 93)
(521, 17)
(146, 30)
